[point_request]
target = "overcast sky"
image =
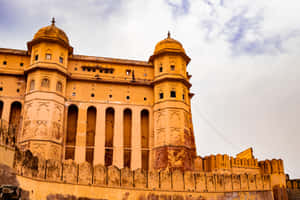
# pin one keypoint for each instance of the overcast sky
(245, 60)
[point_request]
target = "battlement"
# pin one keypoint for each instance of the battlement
(84, 174)
(274, 166)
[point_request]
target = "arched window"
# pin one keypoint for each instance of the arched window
(45, 83)
(59, 86)
(145, 139)
(109, 135)
(71, 132)
(127, 132)
(90, 134)
(32, 85)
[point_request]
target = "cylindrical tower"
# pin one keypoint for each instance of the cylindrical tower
(174, 145)
(45, 93)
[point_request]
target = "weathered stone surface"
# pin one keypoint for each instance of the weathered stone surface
(165, 180)
(100, 175)
(153, 179)
(85, 173)
(266, 182)
(259, 182)
(177, 180)
(200, 182)
(244, 182)
(70, 171)
(211, 183)
(198, 164)
(29, 164)
(228, 183)
(41, 168)
(220, 183)
(189, 181)
(53, 171)
(126, 177)
(113, 175)
(251, 181)
(236, 182)
(140, 178)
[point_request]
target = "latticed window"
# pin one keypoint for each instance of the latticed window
(32, 84)
(59, 86)
(45, 83)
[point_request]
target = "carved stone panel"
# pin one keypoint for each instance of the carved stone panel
(85, 173)
(200, 182)
(189, 181)
(113, 175)
(177, 180)
(140, 178)
(100, 175)
(53, 171)
(69, 171)
(41, 168)
(126, 177)
(153, 179)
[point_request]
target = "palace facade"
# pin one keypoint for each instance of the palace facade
(108, 111)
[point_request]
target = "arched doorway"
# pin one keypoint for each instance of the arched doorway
(14, 119)
(1, 109)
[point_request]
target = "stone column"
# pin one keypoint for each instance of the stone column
(99, 153)
(136, 146)
(151, 138)
(81, 134)
(118, 138)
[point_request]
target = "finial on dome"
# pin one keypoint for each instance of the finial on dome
(53, 21)
(169, 34)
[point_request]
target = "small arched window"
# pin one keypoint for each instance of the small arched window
(45, 83)
(31, 86)
(59, 86)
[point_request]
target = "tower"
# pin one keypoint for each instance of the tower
(45, 92)
(174, 145)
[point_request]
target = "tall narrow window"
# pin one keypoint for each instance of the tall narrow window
(71, 132)
(145, 139)
(45, 83)
(14, 117)
(160, 69)
(36, 57)
(32, 85)
(1, 109)
(61, 59)
(59, 86)
(109, 135)
(127, 129)
(90, 134)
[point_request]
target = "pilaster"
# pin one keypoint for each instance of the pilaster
(81, 135)
(136, 153)
(118, 159)
(99, 153)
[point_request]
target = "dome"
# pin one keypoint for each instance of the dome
(169, 45)
(50, 33)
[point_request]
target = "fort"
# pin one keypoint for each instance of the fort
(85, 127)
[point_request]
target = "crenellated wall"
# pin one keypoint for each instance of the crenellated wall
(68, 171)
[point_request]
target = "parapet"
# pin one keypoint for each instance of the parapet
(84, 174)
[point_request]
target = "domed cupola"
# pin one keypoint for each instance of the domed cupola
(51, 33)
(169, 45)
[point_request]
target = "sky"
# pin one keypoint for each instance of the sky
(245, 60)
